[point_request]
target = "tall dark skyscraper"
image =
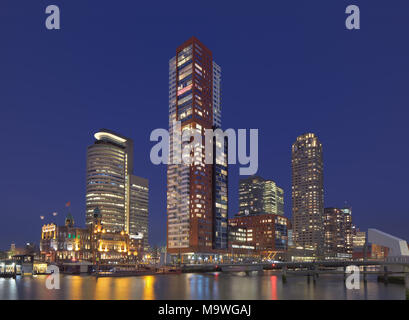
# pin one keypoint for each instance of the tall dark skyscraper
(338, 233)
(121, 197)
(308, 193)
(197, 192)
(257, 195)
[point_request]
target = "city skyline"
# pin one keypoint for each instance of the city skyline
(51, 167)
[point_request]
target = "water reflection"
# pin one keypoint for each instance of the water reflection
(8, 289)
(103, 288)
(76, 290)
(273, 283)
(149, 289)
(215, 284)
(255, 285)
(122, 289)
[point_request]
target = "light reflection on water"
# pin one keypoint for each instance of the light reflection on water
(254, 286)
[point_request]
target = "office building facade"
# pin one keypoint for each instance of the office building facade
(258, 195)
(93, 244)
(121, 197)
(261, 235)
(338, 233)
(139, 203)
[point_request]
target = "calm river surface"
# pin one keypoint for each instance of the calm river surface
(258, 285)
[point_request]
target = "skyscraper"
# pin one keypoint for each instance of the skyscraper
(257, 195)
(308, 193)
(139, 204)
(121, 197)
(197, 192)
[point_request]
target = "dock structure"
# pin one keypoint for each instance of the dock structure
(241, 268)
(9, 269)
(310, 269)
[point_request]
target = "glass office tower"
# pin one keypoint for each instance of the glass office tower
(258, 195)
(121, 197)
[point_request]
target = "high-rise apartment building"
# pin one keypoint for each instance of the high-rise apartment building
(197, 192)
(121, 197)
(257, 195)
(338, 233)
(308, 193)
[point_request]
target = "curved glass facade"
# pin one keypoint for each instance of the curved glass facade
(121, 197)
(106, 164)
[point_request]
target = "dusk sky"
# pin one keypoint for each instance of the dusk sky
(288, 67)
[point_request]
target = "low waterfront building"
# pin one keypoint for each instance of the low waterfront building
(65, 243)
(29, 249)
(112, 246)
(378, 252)
(21, 264)
(298, 253)
(360, 248)
(301, 254)
(25, 263)
(94, 244)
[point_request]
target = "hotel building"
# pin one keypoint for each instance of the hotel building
(109, 246)
(257, 195)
(197, 192)
(65, 243)
(94, 243)
(121, 197)
(308, 194)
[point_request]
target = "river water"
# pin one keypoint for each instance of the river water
(264, 285)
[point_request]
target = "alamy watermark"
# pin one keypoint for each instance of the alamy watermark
(191, 147)
(52, 21)
(352, 281)
(53, 279)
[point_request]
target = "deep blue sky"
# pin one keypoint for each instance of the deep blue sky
(289, 67)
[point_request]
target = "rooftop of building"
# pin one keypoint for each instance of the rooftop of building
(111, 136)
